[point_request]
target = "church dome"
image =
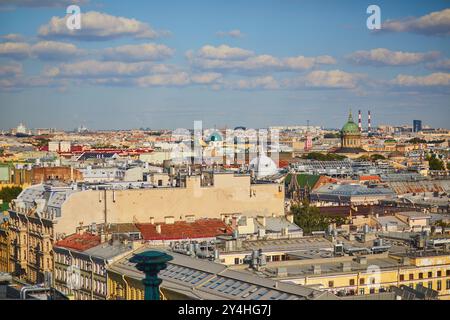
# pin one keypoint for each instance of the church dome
(215, 136)
(350, 127)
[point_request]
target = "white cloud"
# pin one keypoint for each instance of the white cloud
(99, 69)
(223, 52)
(15, 50)
(53, 50)
(236, 33)
(10, 70)
(99, 26)
(176, 79)
(267, 83)
(206, 78)
(139, 52)
(13, 37)
(305, 63)
(443, 65)
(43, 50)
(438, 79)
(436, 23)
(333, 79)
(225, 58)
(386, 57)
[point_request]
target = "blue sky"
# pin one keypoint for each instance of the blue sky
(164, 64)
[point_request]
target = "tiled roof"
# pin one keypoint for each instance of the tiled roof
(369, 178)
(203, 228)
(79, 242)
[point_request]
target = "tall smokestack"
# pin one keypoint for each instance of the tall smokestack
(359, 121)
(369, 123)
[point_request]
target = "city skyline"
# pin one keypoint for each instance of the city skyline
(257, 64)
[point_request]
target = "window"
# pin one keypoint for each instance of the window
(439, 273)
(430, 274)
(402, 277)
(352, 282)
(420, 275)
(330, 284)
(361, 291)
(372, 290)
(361, 281)
(411, 276)
(236, 260)
(447, 273)
(447, 284)
(439, 285)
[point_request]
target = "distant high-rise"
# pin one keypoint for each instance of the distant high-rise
(417, 125)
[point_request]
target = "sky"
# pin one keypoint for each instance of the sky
(253, 63)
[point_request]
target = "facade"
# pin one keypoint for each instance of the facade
(370, 274)
(31, 239)
(65, 174)
(5, 244)
(228, 194)
(85, 254)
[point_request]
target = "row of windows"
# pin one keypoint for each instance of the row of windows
(273, 258)
(85, 282)
(83, 264)
(429, 284)
(117, 290)
(421, 275)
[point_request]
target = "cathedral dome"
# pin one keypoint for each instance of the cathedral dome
(215, 136)
(350, 127)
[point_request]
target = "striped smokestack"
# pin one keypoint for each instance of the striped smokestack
(359, 121)
(369, 123)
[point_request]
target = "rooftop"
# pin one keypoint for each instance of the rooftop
(203, 228)
(201, 279)
(79, 242)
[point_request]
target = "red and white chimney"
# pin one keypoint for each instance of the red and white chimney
(369, 123)
(359, 121)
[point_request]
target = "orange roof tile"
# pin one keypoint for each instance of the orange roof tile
(79, 242)
(203, 228)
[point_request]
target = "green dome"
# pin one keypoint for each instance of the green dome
(215, 137)
(350, 126)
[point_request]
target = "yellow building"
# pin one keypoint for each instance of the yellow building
(370, 274)
(31, 239)
(4, 245)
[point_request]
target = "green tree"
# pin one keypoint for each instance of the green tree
(310, 219)
(435, 163)
(323, 157)
(9, 193)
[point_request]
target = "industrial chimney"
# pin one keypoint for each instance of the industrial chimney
(369, 123)
(359, 121)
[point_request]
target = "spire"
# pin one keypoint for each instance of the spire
(350, 117)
